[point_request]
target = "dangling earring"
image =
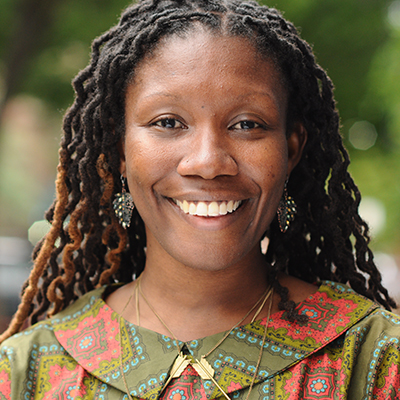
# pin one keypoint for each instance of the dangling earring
(123, 206)
(286, 211)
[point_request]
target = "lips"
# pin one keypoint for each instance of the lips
(208, 209)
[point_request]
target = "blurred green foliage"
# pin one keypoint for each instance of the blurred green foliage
(356, 41)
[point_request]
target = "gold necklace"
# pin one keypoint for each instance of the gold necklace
(202, 367)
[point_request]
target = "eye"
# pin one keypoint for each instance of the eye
(247, 125)
(169, 123)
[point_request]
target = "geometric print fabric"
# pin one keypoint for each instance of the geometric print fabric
(75, 355)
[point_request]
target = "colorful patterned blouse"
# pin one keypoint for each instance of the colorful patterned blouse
(349, 349)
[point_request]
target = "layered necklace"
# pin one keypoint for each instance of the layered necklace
(202, 366)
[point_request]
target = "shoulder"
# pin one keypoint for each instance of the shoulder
(378, 331)
(371, 352)
(335, 311)
(369, 349)
(41, 336)
(37, 350)
(369, 318)
(43, 331)
(372, 320)
(357, 349)
(380, 320)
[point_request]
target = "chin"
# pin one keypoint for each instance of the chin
(212, 261)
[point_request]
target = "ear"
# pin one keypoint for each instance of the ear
(296, 141)
(121, 151)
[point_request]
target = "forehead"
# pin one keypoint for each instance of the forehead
(199, 57)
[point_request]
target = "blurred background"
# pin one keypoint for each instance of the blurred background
(44, 43)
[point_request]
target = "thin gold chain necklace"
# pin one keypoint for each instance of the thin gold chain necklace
(202, 367)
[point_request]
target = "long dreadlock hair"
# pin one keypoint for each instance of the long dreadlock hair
(86, 246)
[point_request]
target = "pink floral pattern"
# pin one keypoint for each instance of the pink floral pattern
(5, 384)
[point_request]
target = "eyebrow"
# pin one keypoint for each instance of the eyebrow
(164, 94)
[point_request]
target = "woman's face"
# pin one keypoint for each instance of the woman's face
(206, 152)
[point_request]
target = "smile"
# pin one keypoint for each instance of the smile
(208, 209)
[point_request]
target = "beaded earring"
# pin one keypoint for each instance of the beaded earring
(286, 211)
(123, 206)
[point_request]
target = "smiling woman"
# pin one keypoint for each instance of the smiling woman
(223, 132)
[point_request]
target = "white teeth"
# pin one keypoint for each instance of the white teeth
(223, 209)
(192, 208)
(185, 206)
(202, 209)
(213, 209)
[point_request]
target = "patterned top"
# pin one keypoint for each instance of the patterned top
(349, 349)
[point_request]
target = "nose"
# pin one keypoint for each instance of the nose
(208, 155)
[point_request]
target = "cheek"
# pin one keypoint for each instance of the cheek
(269, 170)
(268, 162)
(146, 163)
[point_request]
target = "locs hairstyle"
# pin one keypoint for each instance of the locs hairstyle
(86, 247)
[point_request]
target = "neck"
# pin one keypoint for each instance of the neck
(213, 301)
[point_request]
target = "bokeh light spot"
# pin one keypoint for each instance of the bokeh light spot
(394, 14)
(362, 135)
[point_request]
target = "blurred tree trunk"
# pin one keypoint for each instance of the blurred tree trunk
(33, 20)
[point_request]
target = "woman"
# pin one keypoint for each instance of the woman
(207, 127)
